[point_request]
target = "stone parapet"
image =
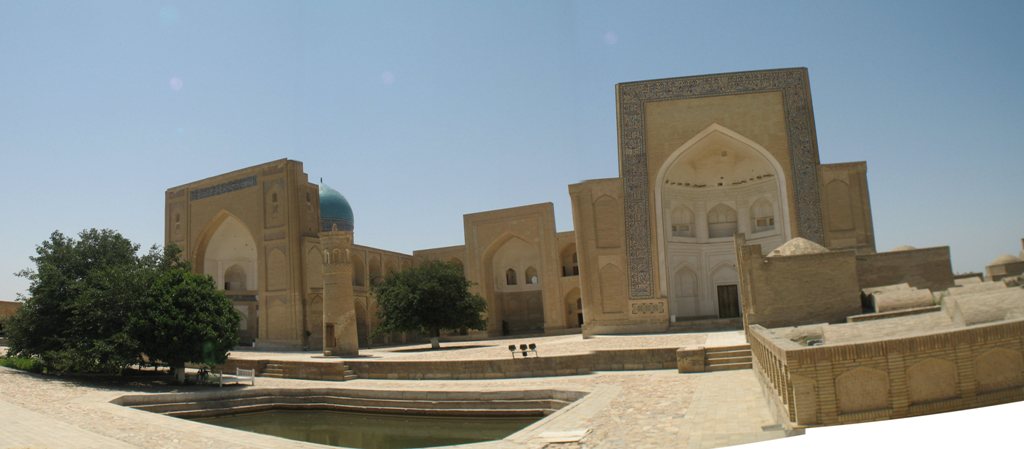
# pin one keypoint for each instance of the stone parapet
(896, 378)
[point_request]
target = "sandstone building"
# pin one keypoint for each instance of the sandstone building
(701, 159)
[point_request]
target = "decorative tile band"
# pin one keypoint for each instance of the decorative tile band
(647, 307)
(803, 149)
(226, 187)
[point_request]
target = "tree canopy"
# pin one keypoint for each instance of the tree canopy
(428, 298)
(95, 305)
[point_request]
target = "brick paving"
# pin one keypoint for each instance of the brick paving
(628, 409)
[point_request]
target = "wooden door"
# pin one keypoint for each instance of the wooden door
(728, 301)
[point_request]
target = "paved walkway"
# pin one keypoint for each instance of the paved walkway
(624, 409)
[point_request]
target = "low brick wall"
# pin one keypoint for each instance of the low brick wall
(530, 366)
(916, 375)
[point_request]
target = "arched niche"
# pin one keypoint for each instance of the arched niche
(573, 308)
(531, 277)
(358, 271)
(684, 293)
(570, 261)
(762, 216)
(235, 278)
(861, 390)
(230, 246)
(716, 176)
(314, 269)
(519, 256)
(681, 223)
(931, 380)
(722, 221)
(518, 307)
(374, 267)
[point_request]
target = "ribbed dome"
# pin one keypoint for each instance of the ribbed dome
(903, 248)
(335, 212)
(1003, 260)
(798, 247)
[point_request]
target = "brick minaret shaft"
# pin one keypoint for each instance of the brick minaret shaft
(340, 337)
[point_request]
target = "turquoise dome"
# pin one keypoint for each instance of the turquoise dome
(335, 212)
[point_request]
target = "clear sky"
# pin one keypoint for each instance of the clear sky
(420, 112)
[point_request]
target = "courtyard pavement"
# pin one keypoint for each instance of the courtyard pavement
(625, 409)
(547, 346)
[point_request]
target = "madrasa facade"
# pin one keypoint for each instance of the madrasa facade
(701, 159)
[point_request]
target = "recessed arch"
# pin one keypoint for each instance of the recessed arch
(235, 278)
(753, 158)
(227, 241)
(530, 276)
(512, 308)
(723, 221)
(358, 270)
(570, 260)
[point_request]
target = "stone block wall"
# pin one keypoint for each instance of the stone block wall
(928, 268)
(896, 378)
(796, 290)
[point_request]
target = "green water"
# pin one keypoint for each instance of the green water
(371, 431)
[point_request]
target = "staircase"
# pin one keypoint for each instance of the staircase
(349, 374)
(286, 370)
(728, 358)
(273, 369)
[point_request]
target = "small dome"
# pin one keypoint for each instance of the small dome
(335, 212)
(902, 248)
(1003, 260)
(798, 247)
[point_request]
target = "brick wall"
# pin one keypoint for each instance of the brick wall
(928, 268)
(796, 290)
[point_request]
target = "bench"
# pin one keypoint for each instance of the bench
(241, 375)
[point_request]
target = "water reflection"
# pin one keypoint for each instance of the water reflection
(371, 431)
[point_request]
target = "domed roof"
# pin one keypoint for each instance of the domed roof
(335, 212)
(1003, 260)
(798, 247)
(902, 248)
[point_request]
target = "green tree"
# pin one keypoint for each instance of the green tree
(75, 318)
(428, 298)
(94, 305)
(183, 317)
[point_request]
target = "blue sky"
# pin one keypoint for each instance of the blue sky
(420, 112)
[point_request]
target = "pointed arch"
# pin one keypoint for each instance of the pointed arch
(762, 215)
(224, 242)
(731, 137)
(531, 276)
(723, 221)
(681, 221)
(358, 270)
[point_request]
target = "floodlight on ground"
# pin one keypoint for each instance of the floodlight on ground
(512, 349)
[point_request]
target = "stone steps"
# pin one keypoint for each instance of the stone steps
(493, 407)
(728, 358)
(282, 370)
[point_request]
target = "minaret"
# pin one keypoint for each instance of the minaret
(336, 233)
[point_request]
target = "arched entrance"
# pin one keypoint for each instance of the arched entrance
(227, 253)
(717, 184)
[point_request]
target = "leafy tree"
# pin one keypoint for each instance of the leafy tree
(428, 298)
(183, 318)
(94, 305)
(75, 316)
